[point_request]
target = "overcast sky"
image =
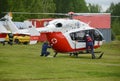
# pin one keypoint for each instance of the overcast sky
(103, 3)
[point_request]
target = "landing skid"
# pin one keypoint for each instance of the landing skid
(101, 55)
(76, 54)
(55, 54)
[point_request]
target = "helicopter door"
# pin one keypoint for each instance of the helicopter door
(78, 36)
(78, 39)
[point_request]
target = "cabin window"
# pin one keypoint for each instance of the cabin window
(78, 36)
(59, 25)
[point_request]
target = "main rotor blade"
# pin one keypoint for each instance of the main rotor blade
(37, 13)
(89, 14)
(63, 14)
(115, 16)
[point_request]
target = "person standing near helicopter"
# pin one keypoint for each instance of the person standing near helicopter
(90, 45)
(10, 38)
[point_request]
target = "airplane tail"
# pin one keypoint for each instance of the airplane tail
(9, 24)
(30, 30)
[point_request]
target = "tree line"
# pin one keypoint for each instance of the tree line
(115, 18)
(41, 6)
(56, 6)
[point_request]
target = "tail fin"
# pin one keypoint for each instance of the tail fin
(34, 34)
(9, 23)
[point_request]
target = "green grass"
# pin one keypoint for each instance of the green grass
(23, 63)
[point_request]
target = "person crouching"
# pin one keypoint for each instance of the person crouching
(44, 51)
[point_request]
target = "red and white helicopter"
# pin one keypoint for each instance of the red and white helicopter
(68, 35)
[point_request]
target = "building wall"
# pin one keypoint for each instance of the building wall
(106, 33)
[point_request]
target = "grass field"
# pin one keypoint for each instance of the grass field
(23, 63)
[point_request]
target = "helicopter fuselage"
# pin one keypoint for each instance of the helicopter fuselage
(69, 35)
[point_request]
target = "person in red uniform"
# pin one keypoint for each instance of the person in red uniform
(90, 45)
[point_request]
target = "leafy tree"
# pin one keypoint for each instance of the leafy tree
(94, 8)
(116, 27)
(115, 13)
(110, 9)
(3, 7)
(41, 6)
(65, 6)
(79, 6)
(33, 6)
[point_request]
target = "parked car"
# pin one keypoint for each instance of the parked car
(25, 39)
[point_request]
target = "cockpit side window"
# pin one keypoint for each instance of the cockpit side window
(59, 25)
(98, 36)
(95, 35)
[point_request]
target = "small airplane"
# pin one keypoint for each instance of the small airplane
(30, 30)
(68, 35)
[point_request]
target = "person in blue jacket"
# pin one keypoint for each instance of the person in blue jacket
(44, 51)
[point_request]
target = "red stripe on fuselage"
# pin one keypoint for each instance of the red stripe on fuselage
(3, 35)
(60, 43)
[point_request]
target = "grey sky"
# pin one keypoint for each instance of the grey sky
(103, 3)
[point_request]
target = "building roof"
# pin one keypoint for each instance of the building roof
(96, 20)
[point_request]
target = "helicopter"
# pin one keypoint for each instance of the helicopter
(68, 35)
